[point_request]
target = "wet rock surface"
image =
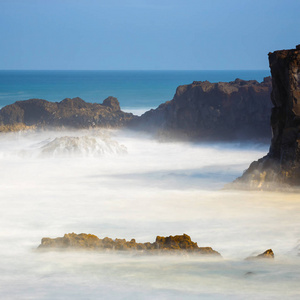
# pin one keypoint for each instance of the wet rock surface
(237, 110)
(181, 243)
(281, 166)
(70, 113)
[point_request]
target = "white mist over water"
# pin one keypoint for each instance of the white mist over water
(123, 185)
(137, 111)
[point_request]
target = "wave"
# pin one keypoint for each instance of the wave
(86, 146)
(56, 144)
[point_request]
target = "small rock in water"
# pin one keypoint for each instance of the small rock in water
(82, 146)
(268, 254)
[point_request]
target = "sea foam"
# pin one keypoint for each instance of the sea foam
(155, 189)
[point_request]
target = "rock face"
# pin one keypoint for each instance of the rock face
(213, 111)
(281, 166)
(74, 113)
(268, 254)
(92, 242)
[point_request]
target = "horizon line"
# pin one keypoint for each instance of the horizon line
(134, 70)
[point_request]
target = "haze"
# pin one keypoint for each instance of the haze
(123, 185)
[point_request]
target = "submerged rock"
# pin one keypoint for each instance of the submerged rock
(268, 254)
(281, 166)
(72, 113)
(237, 110)
(92, 242)
(81, 146)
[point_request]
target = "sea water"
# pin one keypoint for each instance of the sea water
(137, 91)
(123, 184)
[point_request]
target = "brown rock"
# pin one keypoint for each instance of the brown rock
(175, 242)
(268, 254)
(72, 240)
(92, 242)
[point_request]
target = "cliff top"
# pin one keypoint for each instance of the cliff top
(225, 87)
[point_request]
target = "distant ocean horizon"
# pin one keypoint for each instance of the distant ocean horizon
(137, 91)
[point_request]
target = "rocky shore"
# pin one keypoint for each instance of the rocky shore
(238, 110)
(280, 168)
(69, 113)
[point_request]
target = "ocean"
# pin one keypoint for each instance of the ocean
(137, 91)
(124, 184)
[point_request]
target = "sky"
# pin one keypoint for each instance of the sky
(145, 34)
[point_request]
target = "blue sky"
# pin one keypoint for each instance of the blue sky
(145, 34)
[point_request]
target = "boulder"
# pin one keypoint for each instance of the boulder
(112, 102)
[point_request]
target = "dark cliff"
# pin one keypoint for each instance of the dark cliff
(213, 111)
(74, 113)
(282, 164)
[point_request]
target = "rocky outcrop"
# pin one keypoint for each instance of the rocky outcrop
(199, 111)
(75, 113)
(281, 166)
(268, 254)
(92, 242)
(182, 242)
(213, 111)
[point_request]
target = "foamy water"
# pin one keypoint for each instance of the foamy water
(123, 185)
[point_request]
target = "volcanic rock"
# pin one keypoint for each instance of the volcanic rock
(281, 166)
(213, 111)
(182, 243)
(73, 113)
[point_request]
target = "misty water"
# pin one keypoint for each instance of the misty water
(124, 185)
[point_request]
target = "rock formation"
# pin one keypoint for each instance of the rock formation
(281, 166)
(213, 111)
(199, 111)
(92, 242)
(74, 113)
(268, 254)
